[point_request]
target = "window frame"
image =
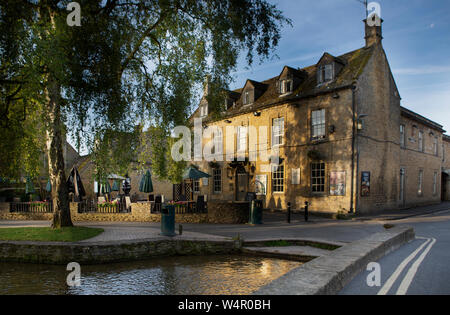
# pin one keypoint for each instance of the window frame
(322, 125)
(323, 172)
(420, 141)
(217, 180)
(279, 134)
(402, 136)
(239, 137)
(284, 84)
(420, 184)
(278, 178)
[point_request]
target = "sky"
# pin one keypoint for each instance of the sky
(416, 40)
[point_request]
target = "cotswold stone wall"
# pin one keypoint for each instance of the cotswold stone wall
(6, 215)
(108, 252)
(218, 213)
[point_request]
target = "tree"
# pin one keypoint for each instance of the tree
(130, 62)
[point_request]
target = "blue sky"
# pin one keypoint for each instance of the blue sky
(416, 40)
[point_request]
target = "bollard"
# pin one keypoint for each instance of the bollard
(306, 211)
(289, 212)
(180, 229)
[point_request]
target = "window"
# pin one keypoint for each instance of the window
(402, 136)
(278, 178)
(246, 98)
(435, 146)
(318, 124)
(218, 143)
(277, 131)
(204, 110)
(420, 189)
(217, 180)
(286, 86)
(318, 177)
(421, 141)
(435, 178)
(325, 74)
(197, 186)
(242, 139)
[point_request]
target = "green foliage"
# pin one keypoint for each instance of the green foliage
(130, 63)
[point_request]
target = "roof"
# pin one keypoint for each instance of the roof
(353, 65)
(421, 119)
(447, 138)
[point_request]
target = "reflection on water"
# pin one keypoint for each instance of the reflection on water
(171, 275)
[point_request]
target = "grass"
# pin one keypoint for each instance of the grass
(388, 226)
(46, 234)
(278, 244)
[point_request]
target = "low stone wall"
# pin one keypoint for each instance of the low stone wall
(219, 212)
(109, 252)
(223, 212)
(6, 215)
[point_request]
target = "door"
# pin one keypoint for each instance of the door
(402, 187)
(444, 187)
(242, 186)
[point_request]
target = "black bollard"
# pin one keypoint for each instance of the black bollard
(289, 212)
(306, 211)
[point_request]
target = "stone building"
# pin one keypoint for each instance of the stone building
(446, 168)
(344, 141)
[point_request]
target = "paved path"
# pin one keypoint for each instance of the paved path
(420, 267)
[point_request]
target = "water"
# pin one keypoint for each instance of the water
(162, 276)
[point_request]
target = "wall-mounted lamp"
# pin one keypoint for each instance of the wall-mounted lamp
(336, 96)
(257, 114)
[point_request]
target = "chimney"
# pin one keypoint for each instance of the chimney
(374, 34)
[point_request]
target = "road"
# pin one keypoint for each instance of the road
(420, 267)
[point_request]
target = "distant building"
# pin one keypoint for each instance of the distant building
(344, 141)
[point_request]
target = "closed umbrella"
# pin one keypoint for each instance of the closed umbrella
(115, 186)
(48, 187)
(75, 185)
(146, 185)
(105, 187)
(29, 187)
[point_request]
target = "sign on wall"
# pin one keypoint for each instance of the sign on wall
(365, 184)
(337, 183)
(261, 184)
(296, 176)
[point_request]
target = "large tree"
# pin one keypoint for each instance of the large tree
(130, 63)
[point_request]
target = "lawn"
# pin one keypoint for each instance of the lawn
(46, 234)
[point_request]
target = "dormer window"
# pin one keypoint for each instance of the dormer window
(286, 86)
(204, 110)
(325, 73)
(247, 98)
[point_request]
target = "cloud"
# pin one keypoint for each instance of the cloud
(422, 70)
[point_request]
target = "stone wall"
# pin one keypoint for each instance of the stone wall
(100, 253)
(6, 215)
(220, 212)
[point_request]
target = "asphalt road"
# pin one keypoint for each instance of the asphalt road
(420, 267)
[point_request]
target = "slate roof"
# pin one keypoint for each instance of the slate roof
(353, 65)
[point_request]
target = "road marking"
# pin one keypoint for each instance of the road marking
(404, 286)
(387, 286)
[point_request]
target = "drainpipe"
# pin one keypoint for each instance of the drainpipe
(352, 206)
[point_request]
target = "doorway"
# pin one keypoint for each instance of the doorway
(444, 187)
(402, 198)
(242, 186)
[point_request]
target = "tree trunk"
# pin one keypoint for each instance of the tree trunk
(54, 141)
